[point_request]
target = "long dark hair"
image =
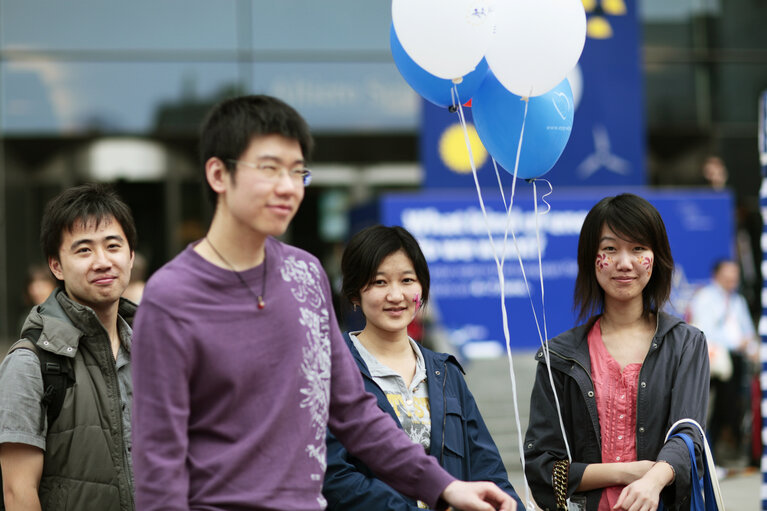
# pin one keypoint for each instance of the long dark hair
(631, 218)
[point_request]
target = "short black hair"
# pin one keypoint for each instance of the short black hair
(632, 218)
(92, 202)
(231, 125)
(719, 263)
(366, 251)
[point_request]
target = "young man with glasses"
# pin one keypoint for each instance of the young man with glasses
(239, 364)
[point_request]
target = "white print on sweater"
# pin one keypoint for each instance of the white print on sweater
(316, 353)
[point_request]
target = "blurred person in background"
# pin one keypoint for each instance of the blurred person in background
(722, 313)
(38, 285)
(137, 279)
(715, 172)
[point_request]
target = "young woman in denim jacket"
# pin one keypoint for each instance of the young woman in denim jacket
(385, 275)
(622, 378)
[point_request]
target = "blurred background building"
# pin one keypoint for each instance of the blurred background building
(107, 91)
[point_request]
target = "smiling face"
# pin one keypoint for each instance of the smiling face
(623, 268)
(391, 300)
(253, 201)
(94, 263)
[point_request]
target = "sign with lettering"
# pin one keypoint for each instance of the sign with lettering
(465, 287)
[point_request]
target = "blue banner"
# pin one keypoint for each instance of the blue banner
(606, 147)
(465, 287)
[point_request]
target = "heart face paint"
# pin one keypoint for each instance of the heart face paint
(417, 301)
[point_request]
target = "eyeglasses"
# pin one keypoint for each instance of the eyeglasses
(273, 171)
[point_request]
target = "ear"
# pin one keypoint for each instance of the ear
(55, 265)
(217, 174)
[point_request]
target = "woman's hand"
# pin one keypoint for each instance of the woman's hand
(644, 493)
(635, 470)
(602, 475)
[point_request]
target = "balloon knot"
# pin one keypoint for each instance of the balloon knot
(452, 109)
(458, 80)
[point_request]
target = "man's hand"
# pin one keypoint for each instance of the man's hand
(477, 496)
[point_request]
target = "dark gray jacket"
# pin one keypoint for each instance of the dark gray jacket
(673, 384)
(85, 466)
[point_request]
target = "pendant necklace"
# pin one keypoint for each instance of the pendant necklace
(259, 298)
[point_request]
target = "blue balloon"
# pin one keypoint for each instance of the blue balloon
(434, 89)
(498, 118)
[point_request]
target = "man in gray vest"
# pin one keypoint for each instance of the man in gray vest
(81, 460)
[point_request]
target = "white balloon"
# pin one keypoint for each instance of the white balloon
(536, 43)
(447, 38)
(575, 77)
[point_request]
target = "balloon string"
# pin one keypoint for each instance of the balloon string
(545, 345)
(513, 191)
(527, 284)
(543, 197)
(502, 283)
(540, 258)
(500, 185)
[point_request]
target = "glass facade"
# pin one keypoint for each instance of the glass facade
(75, 72)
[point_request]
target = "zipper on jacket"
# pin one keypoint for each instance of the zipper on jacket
(588, 375)
(127, 475)
(444, 413)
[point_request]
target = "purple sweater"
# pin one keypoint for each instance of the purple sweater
(231, 403)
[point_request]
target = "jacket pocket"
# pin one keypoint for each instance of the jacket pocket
(454, 427)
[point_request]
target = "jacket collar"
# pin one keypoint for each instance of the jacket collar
(573, 344)
(63, 322)
(432, 359)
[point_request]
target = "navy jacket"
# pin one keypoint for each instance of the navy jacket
(673, 384)
(459, 439)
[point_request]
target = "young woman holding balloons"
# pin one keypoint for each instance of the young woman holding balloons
(621, 379)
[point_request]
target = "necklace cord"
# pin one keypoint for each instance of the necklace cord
(259, 298)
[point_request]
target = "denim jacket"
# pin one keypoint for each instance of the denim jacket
(673, 384)
(459, 439)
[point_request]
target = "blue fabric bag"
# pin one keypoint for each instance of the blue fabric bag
(709, 496)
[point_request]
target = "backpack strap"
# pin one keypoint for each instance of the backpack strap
(56, 371)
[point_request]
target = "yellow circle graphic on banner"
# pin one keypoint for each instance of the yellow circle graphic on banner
(453, 151)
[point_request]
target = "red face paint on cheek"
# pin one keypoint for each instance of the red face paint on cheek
(603, 261)
(646, 263)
